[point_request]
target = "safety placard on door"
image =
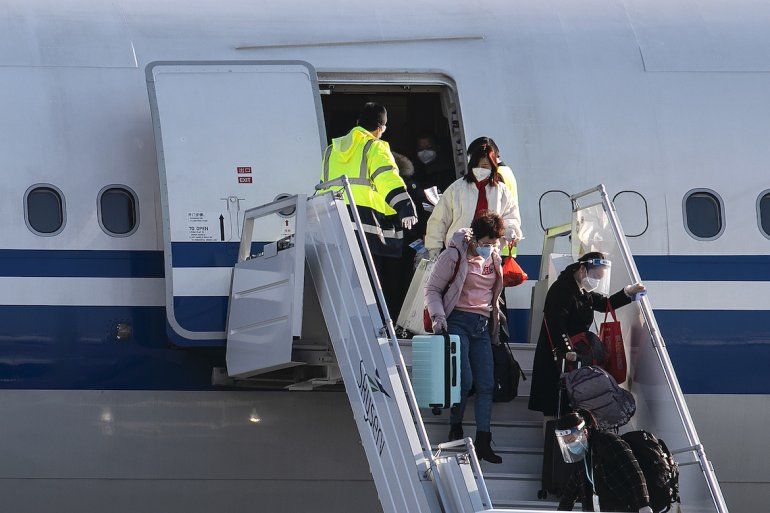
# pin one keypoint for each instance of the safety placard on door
(205, 226)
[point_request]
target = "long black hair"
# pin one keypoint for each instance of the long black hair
(483, 148)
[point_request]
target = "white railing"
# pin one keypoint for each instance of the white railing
(694, 444)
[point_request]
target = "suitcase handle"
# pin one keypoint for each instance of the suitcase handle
(452, 357)
(448, 360)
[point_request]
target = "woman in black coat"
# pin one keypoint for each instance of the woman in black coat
(569, 310)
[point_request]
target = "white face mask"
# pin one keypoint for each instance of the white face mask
(426, 156)
(481, 173)
(590, 284)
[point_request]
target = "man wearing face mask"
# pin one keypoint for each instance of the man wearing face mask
(431, 166)
(382, 200)
(607, 476)
(482, 188)
(580, 290)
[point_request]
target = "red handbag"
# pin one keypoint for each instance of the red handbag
(426, 320)
(612, 338)
(513, 274)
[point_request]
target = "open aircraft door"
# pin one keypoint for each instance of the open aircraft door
(229, 136)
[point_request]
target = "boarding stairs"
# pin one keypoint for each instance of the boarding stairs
(308, 301)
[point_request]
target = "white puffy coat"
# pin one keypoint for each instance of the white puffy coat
(457, 205)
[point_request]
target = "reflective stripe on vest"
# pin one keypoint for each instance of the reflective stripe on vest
(362, 178)
(399, 198)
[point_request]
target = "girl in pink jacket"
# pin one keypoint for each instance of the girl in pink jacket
(467, 306)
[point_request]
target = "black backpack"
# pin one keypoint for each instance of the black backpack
(507, 372)
(659, 468)
(592, 388)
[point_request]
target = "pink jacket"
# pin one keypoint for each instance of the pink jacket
(442, 273)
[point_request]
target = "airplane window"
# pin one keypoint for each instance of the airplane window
(632, 211)
(555, 209)
(118, 214)
(763, 212)
(703, 213)
(44, 210)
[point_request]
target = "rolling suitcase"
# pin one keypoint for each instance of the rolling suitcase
(436, 370)
(556, 472)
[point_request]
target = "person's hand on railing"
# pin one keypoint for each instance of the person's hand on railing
(635, 291)
(571, 356)
(434, 253)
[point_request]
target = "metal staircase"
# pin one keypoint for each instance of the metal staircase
(352, 338)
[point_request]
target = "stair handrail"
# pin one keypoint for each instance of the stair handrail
(660, 347)
(467, 442)
(406, 382)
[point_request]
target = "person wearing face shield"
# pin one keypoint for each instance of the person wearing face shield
(606, 475)
(580, 290)
(461, 296)
(482, 188)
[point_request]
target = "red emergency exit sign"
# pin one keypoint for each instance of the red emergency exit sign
(244, 179)
(244, 170)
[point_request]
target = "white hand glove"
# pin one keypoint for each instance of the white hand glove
(646, 509)
(409, 222)
(433, 253)
(571, 356)
(632, 290)
(439, 324)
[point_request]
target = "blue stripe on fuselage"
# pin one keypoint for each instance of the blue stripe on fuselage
(71, 347)
(81, 263)
(149, 264)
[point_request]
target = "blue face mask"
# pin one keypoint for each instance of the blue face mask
(484, 251)
(577, 448)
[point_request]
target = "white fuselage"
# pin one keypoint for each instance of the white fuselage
(654, 97)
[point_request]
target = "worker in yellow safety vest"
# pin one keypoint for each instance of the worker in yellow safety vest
(379, 192)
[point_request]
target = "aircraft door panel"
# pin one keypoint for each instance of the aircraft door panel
(229, 136)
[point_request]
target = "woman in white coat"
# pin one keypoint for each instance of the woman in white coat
(482, 188)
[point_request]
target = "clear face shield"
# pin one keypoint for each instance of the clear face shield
(573, 443)
(597, 278)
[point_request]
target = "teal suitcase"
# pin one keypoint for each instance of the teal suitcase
(436, 370)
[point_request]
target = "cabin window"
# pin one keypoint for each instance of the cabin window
(555, 209)
(118, 214)
(44, 210)
(632, 211)
(763, 213)
(703, 214)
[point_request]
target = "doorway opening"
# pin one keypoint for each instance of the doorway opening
(420, 117)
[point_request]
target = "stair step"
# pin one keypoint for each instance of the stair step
(525, 433)
(516, 460)
(511, 487)
(524, 353)
(539, 505)
(514, 410)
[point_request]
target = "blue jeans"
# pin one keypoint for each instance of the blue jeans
(477, 365)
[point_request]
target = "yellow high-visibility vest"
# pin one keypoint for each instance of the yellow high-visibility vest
(371, 169)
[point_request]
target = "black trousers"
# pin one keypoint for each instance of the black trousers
(391, 277)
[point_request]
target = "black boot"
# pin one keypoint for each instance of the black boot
(484, 448)
(456, 432)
